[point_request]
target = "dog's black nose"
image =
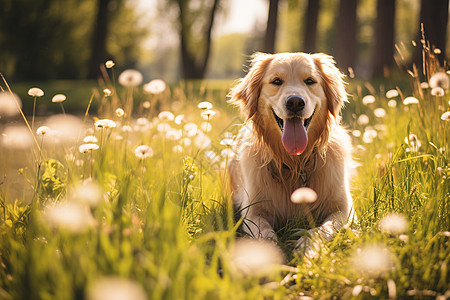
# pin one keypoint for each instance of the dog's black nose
(295, 104)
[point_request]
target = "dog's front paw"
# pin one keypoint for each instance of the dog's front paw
(309, 246)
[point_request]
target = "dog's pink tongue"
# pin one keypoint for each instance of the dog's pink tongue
(294, 137)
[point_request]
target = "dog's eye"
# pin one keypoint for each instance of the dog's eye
(310, 81)
(277, 81)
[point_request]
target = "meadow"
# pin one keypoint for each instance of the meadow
(130, 198)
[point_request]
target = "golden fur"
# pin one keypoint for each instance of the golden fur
(263, 174)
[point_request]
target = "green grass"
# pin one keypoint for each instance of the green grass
(166, 222)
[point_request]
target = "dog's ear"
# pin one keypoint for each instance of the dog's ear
(333, 82)
(246, 93)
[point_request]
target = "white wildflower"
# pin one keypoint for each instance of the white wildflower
(379, 112)
(143, 152)
(107, 92)
(368, 99)
(115, 288)
(437, 91)
(109, 64)
(166, 116)
(90, 139)
(373, 259)
(410, 100)
(85, 148)
(70, 216)
(446, 116)
(254, 257)
(130, 78)
(163, 127)
(392, 103)
(120, 113)
(179, 119)
(43, 130)
(173, 134)
(391, 93)
(208, 113)
(105, 123)
(394, 223)
(156, 86)
(9, 104)
(363, 119)
(35, 92)
(439, 80)
(356, 133)
(58, 98)
(205, 105)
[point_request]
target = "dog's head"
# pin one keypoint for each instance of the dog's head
(292, 99)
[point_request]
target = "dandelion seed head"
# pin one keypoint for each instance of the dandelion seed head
(90, 139)
(439, 80)
(424, 85)
(373, 259)
(227, 142)
(127, 128)
(410, 100)
(413, 141)
(437, 51)
(166, 116)
(115, 288)
(89, 193)
(379, 112)
(142, 122)
(191, 129)
(394, 223)
(65, 128)
(85, 148)
(17, 137)
(179, 119)
(35, 92)
(391, 93)
(146, 104)
(43, 130)
(186, 142)
(9, 104)
(392, 103)
(173, 134)
(304, 195)
(446, 116)
(120, 113)
(143, 152)
(71, 216)
(205, 105)
(363, 119)
(369, 135)
(105, 123)
(356, 133)
(368, 99)
(437, 91)
(163, 127)
(58, 98)
(254, 257)
(156, 86)
(109, 64)
(130, 78)
(208, 113)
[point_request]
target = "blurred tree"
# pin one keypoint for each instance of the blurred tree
(311, 20)
(345, 39)
(271, 29)
(434, 17)
(383, 52)
(195, 24)
(50, 39)
(99, 54)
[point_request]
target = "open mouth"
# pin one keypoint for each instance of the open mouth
(280, 121)
(294, 136)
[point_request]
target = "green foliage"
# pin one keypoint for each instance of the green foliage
(166, 221)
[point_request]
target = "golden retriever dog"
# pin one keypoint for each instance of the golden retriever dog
(292, 138)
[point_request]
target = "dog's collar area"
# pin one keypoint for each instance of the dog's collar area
(305, 176)
(280, 121)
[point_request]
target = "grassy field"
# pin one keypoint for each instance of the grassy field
(121, 205)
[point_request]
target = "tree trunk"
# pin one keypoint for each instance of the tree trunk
(194, 64)
(345, 41)
(271, 29)
(383, 52)
(434, 17)
(312, 15)
(99, 55)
